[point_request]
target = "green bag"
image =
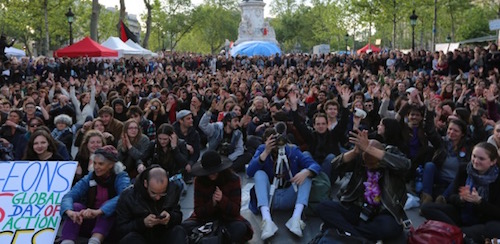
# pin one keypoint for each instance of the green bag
(320, 191)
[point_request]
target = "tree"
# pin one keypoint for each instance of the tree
(148, 23)
(94, 20)
(46, 21)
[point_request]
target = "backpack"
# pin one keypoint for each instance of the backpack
(320, 191)
(436, 232)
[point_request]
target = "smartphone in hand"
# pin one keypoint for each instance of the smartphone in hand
(160, 216)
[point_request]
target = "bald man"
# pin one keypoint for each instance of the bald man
(149, 212)
(371, 204)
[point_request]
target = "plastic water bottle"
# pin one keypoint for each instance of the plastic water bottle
(418, 179)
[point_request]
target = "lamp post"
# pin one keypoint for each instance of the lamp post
(413, 23)
(448, 39)
(70, 16)
(346, 38)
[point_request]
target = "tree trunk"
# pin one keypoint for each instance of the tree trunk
(434, 27)
(122, 16)
(145, 43)
(394, 26)
(94, 20)
(452, 22)
(46, 20)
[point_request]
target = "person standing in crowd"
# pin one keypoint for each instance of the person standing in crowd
(185, 130)
(218, 198)
(111, 125)
(474, 203)
(149, 211)
(292, 193)
(89, 207)
(225, 138)
(370, 206)
(132, 147)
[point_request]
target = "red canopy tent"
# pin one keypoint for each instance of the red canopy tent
(85, 48)
(368, 46)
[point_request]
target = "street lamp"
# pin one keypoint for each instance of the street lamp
(346, 38)
(413, 23)
(70, 16)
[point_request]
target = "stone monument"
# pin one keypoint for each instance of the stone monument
(253, 26)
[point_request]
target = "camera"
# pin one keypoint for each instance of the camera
(153, 107)
(367, 212)
(226, 148)
(280, 137)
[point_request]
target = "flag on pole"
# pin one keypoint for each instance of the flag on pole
(126, 34)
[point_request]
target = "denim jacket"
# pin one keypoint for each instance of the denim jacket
(80, 189)
(215, 133)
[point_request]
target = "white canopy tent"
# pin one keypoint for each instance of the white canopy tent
(123, 49)
(14, 52)
(145, 51)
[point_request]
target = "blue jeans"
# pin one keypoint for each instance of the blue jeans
(283, 199)
(326, 166)
(431, 181)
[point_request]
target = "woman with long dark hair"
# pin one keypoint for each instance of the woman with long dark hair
(42, 147)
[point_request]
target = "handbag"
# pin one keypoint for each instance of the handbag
(436, 232)
(210, 233)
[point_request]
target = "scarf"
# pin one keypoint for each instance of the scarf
(481, 181)
(372, 188)
(57, 133)
(108, 183)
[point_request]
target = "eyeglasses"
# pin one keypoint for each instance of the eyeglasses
(34, 125)
(133, 128)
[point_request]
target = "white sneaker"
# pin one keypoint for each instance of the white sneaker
(269, 228)
(295, 225)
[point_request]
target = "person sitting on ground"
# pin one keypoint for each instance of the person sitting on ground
(42, 147)
(63, 131)
(149, 211)
(262, 169)
(132, 147)
(169, 152)
(89, 208)
(226, 138)
(218, 198)
(474, 202)
(371, 204)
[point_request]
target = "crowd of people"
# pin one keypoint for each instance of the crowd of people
(141, 129)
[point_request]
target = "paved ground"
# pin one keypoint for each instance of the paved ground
(283, 236)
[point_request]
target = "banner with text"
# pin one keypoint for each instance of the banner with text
(30, 199)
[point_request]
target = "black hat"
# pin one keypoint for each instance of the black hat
(210, 163)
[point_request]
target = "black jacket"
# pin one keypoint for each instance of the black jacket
(192, 138)
(135, 205)
(486, 210)
(320, 145)
(393, 167)
(172, 161)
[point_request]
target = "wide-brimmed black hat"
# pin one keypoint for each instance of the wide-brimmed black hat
(210, 163)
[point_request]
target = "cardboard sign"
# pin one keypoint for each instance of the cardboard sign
(30, 199)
